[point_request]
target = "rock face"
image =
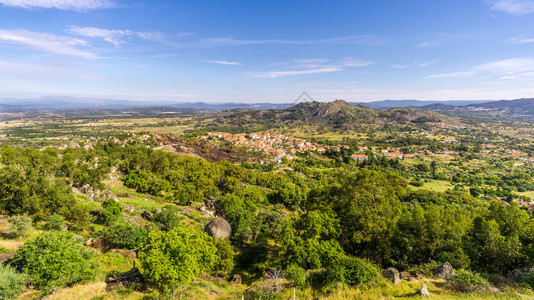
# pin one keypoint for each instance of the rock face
(423, 291)
(218, 228)
(147, 215)
(129, 278)
(444, 271)
(392, 275)
(519, 274)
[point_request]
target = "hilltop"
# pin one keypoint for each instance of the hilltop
(338, 116)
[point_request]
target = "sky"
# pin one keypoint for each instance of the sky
(267, 51)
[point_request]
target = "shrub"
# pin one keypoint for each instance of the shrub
(19, 225)
(55, 259)
(465, 280)
(352, 271)
(171, 259)
(111, 212)
(11, 282)
(226, 255)
(126, 236)
(296, 275)
(167, 219)
(55, 222)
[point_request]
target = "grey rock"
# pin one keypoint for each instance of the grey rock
(444, 271)
(423, 292)
(392, 275)
(218, 228)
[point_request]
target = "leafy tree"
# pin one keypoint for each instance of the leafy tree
(11, 282)
(172, 259)
(296, 275)
(55, 259)
(167, 219)
(112, 210)
(126, 236)
(19, 225)
(55, 222)
(226, 256)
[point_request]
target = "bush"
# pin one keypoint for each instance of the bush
(126, 236)
(19, 225)
(226, 255)
(296, 275)
(352, 271)
(11, 282)
(171, 259)
(55, 222)
(55, 259)
(465, 280)
(112, 210)
(167, 219)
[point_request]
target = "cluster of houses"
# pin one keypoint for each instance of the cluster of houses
(279, 145)
(274, 144)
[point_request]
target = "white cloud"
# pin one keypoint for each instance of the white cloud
(116, 37)
(46, 42)
(427, 63)
(312, 66)
(522, 40)
(223, 62)
(275, 74)
(429, 44)
(452, 75)
(76, 5)
(367, 40)
(398, 66)
(508, 66)
(507, 69)
(111, 36)
(513, 7)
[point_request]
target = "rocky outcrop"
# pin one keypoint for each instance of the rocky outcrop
(518, 275)
(423, 292)
(392, 275)
(405, 276)
(132, 277)
(444, 271)
(237, 279)
(218, 228)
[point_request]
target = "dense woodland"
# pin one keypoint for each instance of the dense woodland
(334, 219)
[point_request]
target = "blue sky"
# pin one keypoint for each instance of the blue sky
(267, 51)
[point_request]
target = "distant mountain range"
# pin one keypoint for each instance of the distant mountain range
(520, 109)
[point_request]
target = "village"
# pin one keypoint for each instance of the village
(279, 145)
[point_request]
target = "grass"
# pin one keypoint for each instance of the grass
(435, 185)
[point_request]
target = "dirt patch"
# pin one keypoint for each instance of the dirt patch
(204, 150)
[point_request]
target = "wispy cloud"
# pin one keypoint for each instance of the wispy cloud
(223, 62)
(429, 44)
(398, 66)
(47, 42)
(368, 40)
(452, 75)
(312, 66)
(76, 5)
(506, 68)
(427, 63)
(513, 7)
(117, 36)
(522, 40)
(275, 74)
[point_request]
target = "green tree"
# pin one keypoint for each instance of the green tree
(19, 225)
(112, 210)
(172, 259)
(11, 282)
(55, 259)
